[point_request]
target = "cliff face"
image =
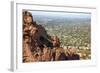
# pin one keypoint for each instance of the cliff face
(35, 37)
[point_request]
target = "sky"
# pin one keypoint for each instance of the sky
(61, 14)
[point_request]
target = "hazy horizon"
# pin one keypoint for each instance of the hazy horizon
(61, 14)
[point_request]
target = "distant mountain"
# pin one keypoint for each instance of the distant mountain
(60, 20)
